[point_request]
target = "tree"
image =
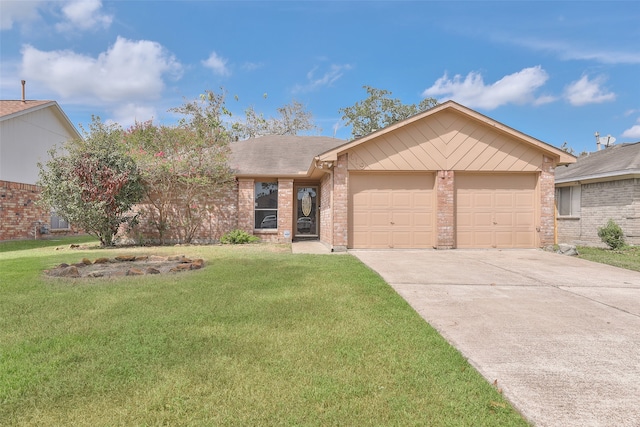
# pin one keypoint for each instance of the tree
(379, 110)
(292, 120)
(184, 167)
(92, 182)
(567, 149)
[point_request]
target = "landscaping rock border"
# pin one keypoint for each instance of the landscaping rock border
(126, 265)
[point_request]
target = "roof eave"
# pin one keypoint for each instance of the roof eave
(629, 173)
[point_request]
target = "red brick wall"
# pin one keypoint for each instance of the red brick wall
(19, 212)
(285, 210)
(246, 204)
(445, 187)
(340, 201)
(326, 223)
(222, 218)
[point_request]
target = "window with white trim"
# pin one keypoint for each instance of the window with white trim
(568, 200)
(266, 205)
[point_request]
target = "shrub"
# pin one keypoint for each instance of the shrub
(612, 235)
(238, 237)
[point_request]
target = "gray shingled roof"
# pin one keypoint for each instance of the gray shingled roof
(617, 160)
(278, 154)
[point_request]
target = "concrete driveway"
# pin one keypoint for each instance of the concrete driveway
(560, 335)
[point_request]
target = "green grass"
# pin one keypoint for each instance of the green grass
(628, 257)
(259, 337)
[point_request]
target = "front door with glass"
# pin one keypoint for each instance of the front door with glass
(307, 212)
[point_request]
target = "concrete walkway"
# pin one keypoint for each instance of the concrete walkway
(560, 335)
(310, 247)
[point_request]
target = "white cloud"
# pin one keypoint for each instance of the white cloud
(17, 12)
(128, 114)
(571, 51)
(128, 70)
(330, 76)
(633, 132)
(252, 66)
(585, 91)
(516, 88)
(218, 64)
(84, 15)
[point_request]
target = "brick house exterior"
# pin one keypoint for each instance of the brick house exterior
(446, 178)
(28, 130)
(600, 186)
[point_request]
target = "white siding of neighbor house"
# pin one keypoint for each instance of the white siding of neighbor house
(25, 140)
(601, 201)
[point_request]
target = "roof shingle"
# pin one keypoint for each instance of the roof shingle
(617, 160)
(278, 155)
(8, 107)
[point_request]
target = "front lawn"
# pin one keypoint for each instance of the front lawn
(259, 337)
(628, 257)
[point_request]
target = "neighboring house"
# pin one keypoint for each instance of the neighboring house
(449, 177)
(28, 129)
(600, 186)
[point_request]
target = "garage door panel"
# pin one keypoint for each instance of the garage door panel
(422, 220)
(424, 201)
(379, 239)
(495, 211)
(402, 219)
(503, 219)
(504, 239)
(504, 201)
(391, 210)
(379, 200)
(522, 200)
(481, 201)
(379, 219)
(481, 219)
(401, 200)
(525, 219)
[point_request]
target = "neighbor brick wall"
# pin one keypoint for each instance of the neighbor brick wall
(340, 201)
(547, 202)
(445, 186)
(601, 201)
(19, 212)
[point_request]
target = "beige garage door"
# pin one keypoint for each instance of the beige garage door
(496, 211)
(391, 210)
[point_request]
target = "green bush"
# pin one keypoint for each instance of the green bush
(238, 237)
(612, 235)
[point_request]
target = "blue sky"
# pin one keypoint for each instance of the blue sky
(558, 71)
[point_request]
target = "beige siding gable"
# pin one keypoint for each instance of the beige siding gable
(448, 140)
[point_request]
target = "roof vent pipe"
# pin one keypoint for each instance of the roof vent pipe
(597, 135)
(24, 83)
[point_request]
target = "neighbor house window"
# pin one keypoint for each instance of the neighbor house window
(568, 201)
(266, 205)
(57, 222)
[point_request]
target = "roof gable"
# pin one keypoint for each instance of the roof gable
(440, 138)
(10, 109)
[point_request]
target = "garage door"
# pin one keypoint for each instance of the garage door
(391, 210)
(496, 211)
